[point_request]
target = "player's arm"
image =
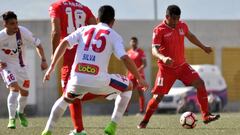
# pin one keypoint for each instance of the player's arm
(164, 59)
(60, 50)
(41, 54)
(55, 33)
(131, 66)
(192, 38)
(144, 64)
(2, 65)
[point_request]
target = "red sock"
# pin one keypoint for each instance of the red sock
(141, 103)
(151, 107)
(203, 100)
(76, 115)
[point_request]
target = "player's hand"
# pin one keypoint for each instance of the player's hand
(207, 49)
(47, 74)
(44, 65)
(167, 61)
(3, 65)
(142, 83)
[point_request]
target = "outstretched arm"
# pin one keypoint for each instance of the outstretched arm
(60, 50)
(192, 38)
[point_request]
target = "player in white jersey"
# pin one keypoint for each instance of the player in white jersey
(89, 73)
(13, 67)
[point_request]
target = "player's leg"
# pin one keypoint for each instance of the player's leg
(60, 107)
(120, 84)
(164, 81)
(190, 76)
(12, 104)
(76, 106)
(57, 111)
(11, 82)
(141, 100)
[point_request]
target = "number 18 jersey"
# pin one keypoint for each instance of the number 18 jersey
(96, 43)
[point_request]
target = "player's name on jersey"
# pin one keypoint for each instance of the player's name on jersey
(68, 3)
(88, 57)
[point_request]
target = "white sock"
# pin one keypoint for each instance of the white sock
(12, 104)
(22, 102)
(57, 111)
(121, 104)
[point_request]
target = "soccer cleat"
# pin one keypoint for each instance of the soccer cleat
(110, 129)
(75, 133)
(46, 133)
(143, 124)
(210, 117)
(23, 119)
(12, 123)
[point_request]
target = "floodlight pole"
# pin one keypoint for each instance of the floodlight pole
(155, 5)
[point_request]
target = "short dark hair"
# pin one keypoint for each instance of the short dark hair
(134, 39)
(106, 14)
(173, 10)
(9, 15)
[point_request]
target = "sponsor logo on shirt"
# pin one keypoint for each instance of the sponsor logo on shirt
(168, 34)
(88, 57)
(87, 68)
(10, 52)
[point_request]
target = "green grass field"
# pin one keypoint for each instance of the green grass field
(160, 124)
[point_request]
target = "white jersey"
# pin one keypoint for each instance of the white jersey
(9, 52)
(96, 43)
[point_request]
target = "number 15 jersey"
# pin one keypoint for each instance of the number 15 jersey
(96, 43)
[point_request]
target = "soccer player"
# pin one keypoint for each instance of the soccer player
(139, 58)
(13, 67)
(66, 17)
(168, 47)
(96, 43)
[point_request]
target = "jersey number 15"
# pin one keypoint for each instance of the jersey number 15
(99, 36)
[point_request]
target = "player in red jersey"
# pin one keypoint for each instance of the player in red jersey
(66, 17)
(168, 47)
(139, 58)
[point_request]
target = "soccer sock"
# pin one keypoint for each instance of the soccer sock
(151, 108)
(203, 100)
(121, 103)
(22, 102)
(141, 103)
(76, 115)
(57, 111)
(12, 104)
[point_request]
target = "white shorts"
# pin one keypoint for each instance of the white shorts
(19, 75)
(114, 84)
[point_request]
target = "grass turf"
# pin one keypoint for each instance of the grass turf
(161, 124)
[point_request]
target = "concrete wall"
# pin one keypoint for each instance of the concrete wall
(217, 34)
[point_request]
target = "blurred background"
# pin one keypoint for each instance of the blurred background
(216, 23)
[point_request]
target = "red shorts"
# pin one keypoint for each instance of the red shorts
(166, 76)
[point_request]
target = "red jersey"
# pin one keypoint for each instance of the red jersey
(137, 56)
(72, 15)
(171, 41)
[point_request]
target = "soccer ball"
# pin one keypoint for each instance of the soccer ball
(188, 120)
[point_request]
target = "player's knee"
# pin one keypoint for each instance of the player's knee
(14, 87)
(70, 97)
(24, 92)
(130, 85)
